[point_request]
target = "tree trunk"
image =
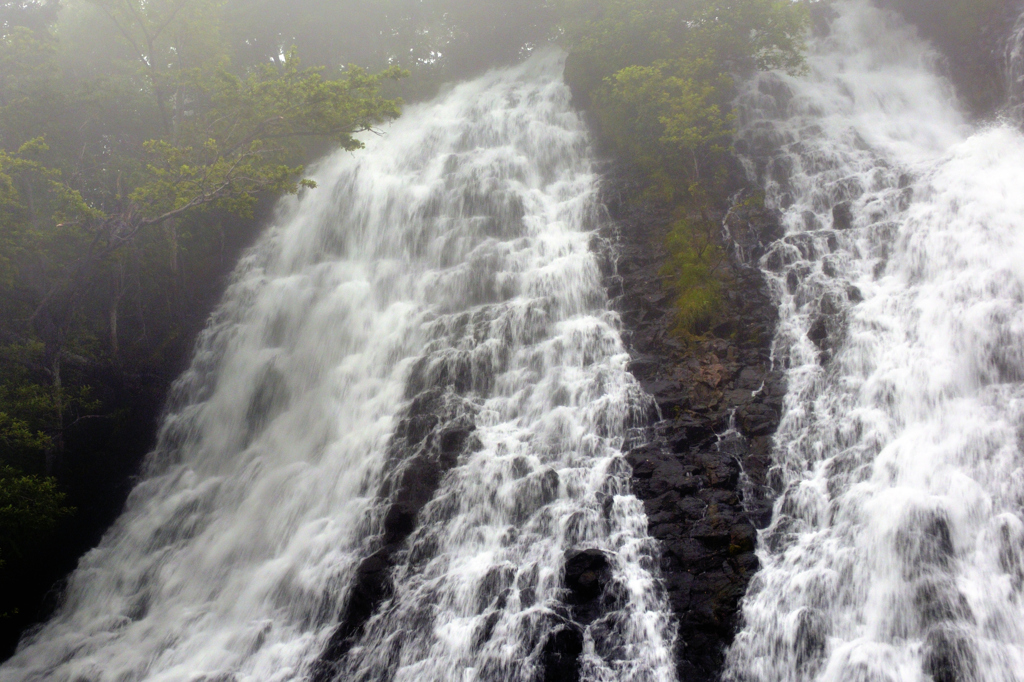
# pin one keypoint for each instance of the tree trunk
(112, 313)
(117, 289)
(172, 238)
(55, 453)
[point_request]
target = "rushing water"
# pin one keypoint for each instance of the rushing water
(447, 265)
(1014, 71)
(896, 551)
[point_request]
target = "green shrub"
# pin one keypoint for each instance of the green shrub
(694, 272)
(659, 77)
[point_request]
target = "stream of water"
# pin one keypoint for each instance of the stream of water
(896, 551)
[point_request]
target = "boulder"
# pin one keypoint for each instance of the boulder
(842, 216)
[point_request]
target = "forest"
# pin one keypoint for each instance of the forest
(145, 143)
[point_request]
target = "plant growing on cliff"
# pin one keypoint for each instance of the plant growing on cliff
(670, 118)
(693, 269)
(659, 76)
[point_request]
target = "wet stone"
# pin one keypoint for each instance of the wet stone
(938, 601)
(436, 429)
(560, 655)
(792, 281)
(686, 472)
(949, 656)
(842, 216)
(810, 639)
(818, 333)
(586, 573)
(924, 542)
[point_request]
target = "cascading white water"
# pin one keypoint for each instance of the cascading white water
(896, 551)
(1014, 71)
(451, 255)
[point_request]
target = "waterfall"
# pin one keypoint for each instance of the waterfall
(1014, 71)
(402, 421)
(896, 551)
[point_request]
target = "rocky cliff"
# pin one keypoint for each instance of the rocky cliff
(702, 472)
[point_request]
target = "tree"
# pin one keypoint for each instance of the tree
(134, 142)
(30, 509)
(32, 14)
(190, 140)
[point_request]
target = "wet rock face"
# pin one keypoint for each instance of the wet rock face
(949, 656)
(436, 430)
(561, 653)
(842, 216)
(587, 575)
(702, 474)
(592, 598)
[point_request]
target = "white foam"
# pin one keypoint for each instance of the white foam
(895, 548)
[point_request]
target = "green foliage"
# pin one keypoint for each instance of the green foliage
(693, 268)
(242, 144)
(755, 200)
(17, 439)
(128, 139)
(169, 135)
(659, 76)
(30, 509)
(670, 118)
(27, 188)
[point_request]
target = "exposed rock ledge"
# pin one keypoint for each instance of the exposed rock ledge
(702, 475)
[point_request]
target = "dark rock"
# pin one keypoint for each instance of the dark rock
(842, 216)
(495, 587)
(268, 401)
(372, 586)
(722, 470)
(753, 230)
(792, 281)
(560, 654)
(938, 601)
(818, 333)
(810, 639)
(587, 575)
(829, 305)
(436, 430)
(810, 220)
(689, 432)
(742, 538)
(924, 542)
(687, 472)
(714, 527)
(757, 419)
(949, 656)
(535, 491)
